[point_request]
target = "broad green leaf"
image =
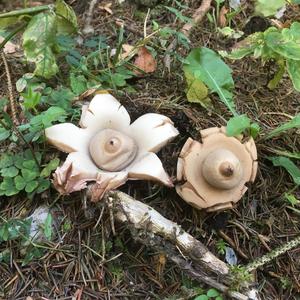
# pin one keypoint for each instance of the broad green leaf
(9, 21)
(206, 65)
(39, 42)
(46, 118)
(293, 68)
(44, 184)
(237, 125)
(52, 165)
(8, 187)
(20, 182)
(31, 186)
(202, 297)
(281, 45)
(78, 84)
(4, 134)
(29, 175)
(6, 160)
(62, 98)
(212, 293)
(66, 18)
(246, 47)
(292, 33)
(294, 123)
(196, 91)
(281, 161)
(268, 7)
(30, 164)
(48, 227)
(9, 172)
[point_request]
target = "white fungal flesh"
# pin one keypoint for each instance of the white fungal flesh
(149, 166)
(68, 138)
(152, 131)
(105, 111)
(134, 161)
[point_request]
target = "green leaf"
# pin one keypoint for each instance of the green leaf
(205, 65)
(246, 47)
(66, 18)
(254, 130)
(48, 226)
(9, 172)
(4, 134)
(52, 165)
(8, 187)
(6, 160)
(31, 186)
(293, 68)
(219, 298)
(20, 182)
(291, 199)
(62, 98)
(179, 15)
(78, 84)
(31, 98)
(46, 118)
(39, 42)
(212, 293)
(281, 161)
(268, 7)
(294, 123)
(237, 125)
(44, 184)
(282, 45)
(31, 254)
(201, 297)
(9, 21)
(196, 91)
(29, 164)
(29, 175)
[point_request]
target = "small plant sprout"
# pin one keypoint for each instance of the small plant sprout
(213, 173)
(107, 149)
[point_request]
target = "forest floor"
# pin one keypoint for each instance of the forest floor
(124, 269)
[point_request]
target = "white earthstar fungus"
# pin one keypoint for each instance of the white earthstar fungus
(213, 173)
(107, 149)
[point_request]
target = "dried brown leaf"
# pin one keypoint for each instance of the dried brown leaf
(9, 47)
(222, 16)
(145, 61)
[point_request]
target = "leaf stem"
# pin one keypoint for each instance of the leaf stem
(26, 11)
(11, 34)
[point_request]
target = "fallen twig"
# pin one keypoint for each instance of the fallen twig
(186, 29)
(152, 229)
(88, 28)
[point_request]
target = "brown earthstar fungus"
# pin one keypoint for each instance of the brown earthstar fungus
(107, 149)
(213, 172)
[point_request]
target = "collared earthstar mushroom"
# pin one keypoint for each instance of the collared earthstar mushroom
(213, 172)
(107, 149)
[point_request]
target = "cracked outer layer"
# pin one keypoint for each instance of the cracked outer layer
(194, 188)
